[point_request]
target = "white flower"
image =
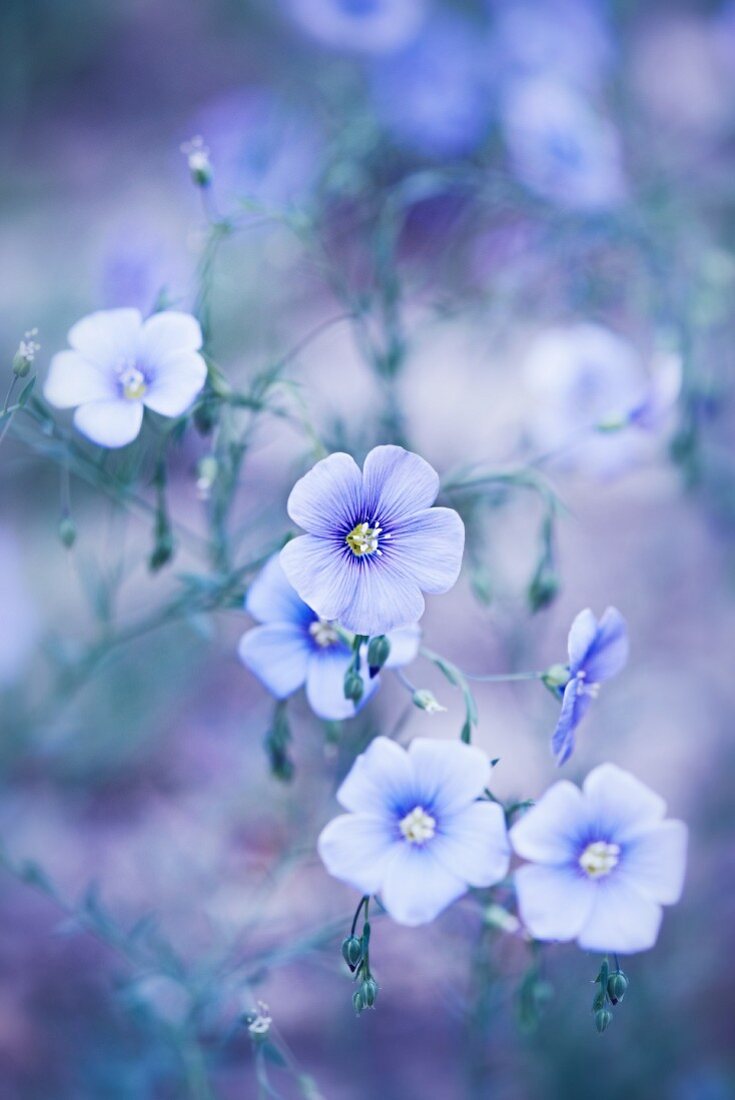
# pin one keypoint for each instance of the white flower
(118, 363)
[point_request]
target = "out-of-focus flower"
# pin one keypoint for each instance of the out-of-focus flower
(20, 625)
(364, 26)
(374, 543)
(264, 148)
(604, 862)
(415, 831)
(561, 147)
(598, 650)
(434, 96)
(118, 364)
(537, 37)
(661, 394)
(294, 647)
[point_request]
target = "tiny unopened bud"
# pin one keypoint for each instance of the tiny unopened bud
(357, 1002)
(369, 990)
(163, 551)
(377, 654)
(353, 686)
(425, 700)
(556, 677)
(352, 951)
(197, 158)
(603, 1019)
(28, 348)
(543, 588)
(67, 532)
(207, 470)
(617, 985)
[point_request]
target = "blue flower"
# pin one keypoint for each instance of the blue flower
(365, 26)
(374, 542)
(415, 831)
(597, 652)
(604, 862)
(294, 647)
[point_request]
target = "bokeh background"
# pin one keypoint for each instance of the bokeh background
(417, 192)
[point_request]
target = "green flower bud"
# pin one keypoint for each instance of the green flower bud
(26, 353)
(543, 588)
(603, 1018)
(617, 985)
(354, 687)
(163, 551)
(369, 990)
(352, 951)
(357, 1002)
(68, 532)
(556, 677)
(425, 700)
(197, 158)
(377, 654)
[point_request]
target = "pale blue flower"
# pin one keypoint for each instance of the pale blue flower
(415, 831)
(294, 648)
(374, 542)
(120, 364)
(597, 652)
(604, 862)
(362, 26)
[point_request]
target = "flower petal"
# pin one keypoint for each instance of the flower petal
(581, 636)
(358, 849)
(554, 902)
(107, 337)
(655, 861)
(175, 382)
(427, 548)
(608, 653)
(551, 830)
(325, 679)
(619, 804)
(621, 919)
(404, 645)
(575, 704)
(380, 780)
(73, 380)
(473, 844)
(321, 575)
(110, 423)
(417, 887)
(271, 599)
(278, 654)
(448, 775)
(167, 332)
(397, 483)
(328, 500)
(380, 600)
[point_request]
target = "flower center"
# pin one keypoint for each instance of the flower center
(363, 539)
(132, 383)
(323, 633)
(418, 826)
(599, 858)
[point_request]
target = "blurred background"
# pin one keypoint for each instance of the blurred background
(485, 229)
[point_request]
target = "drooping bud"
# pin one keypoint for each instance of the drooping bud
(357, 1002)
(369, 990)
(352, 951)
(353, 686)
(67, 532)
(377, 654)
(617, 985)
(276, 742)
(544, 587)
(425, 700)
(603, 1019)
(163, 550)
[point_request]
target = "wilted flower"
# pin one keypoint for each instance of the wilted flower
(560, 146)
(597, 652)
(365, 26)
(295, 648)
(118, 364)
(604, 862)
(415, 831)
(374, 542)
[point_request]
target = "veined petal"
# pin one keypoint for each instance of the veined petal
(278, 654)
(175, 382)
(167, 332)
(427, 548)
(581, 636)
(73, 380)
(620, 806)
(380, 781)
(112, 423)
(397, 483)
(322, 576)
(107, 337)
(381, 598)
(404, 645)
(551, 830)
(554, 902)
(325, 679)
(328, 500)
(608, 653)
(654, 861)
(473, 844)
(575, 704)
(621, 918)
(358, 849)
(448, 775)
(271, 599)
(416, 887)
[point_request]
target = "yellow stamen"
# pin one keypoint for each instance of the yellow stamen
(599, 858)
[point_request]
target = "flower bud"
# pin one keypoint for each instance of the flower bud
(377, 654)
(197, 157)
(556, 677)
(543, 588)
(68, 532)
(163, 551)
(425, 700)
(26, 353)
(617, 984)
(603, 1018)
(352, 951)
(357, 1002)
(354, 687)
(369, 990)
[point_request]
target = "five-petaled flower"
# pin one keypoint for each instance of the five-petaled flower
(118, 363)
(597, 652)
(604, 862)
(415, 831)
(374, 542)
(294, 647)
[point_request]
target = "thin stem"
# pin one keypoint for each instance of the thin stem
(365, 900)
(504, 677)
